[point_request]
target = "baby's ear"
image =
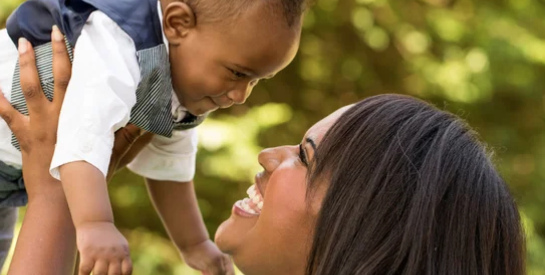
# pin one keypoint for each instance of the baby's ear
(178, 19)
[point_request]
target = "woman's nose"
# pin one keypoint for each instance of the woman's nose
(269, 159)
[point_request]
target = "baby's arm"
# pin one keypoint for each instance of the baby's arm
(87, 193)
(168, 164)
(100, 96)
(177, 206)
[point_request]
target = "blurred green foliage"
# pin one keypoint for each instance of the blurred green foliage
(483, 60)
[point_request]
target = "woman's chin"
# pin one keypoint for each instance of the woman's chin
(232, 234)
(231, 238)
(222, 238)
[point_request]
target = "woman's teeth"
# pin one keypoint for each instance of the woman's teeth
(254, 203)
(255, 196)
(246, 206)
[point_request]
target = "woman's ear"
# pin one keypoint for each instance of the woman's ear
(178, 20)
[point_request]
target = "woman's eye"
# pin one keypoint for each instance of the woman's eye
(303, 155)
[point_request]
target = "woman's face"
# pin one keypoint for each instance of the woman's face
(270, 232)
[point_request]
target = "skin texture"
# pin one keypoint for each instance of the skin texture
(214, 66)
(278, 240)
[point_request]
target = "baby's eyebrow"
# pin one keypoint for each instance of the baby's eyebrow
(244, 69)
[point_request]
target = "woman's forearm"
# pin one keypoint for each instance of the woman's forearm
(46, 242)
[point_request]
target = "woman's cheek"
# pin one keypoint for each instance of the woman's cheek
(285, 195)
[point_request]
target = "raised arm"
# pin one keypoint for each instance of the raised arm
(46, 243)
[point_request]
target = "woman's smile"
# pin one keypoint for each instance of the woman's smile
(251, 206)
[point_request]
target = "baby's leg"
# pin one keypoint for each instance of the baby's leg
(8, 218)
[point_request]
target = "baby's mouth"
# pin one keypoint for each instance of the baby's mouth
(253, 204)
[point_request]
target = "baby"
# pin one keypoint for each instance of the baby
(160, 65)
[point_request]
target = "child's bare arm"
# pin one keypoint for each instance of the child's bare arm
(168, 164)
(98, 101)
(177, 206)
(86, 192)
(102, 247)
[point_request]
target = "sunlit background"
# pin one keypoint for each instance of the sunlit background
(483, 60)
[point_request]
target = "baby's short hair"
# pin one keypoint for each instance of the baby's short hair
(212, 10)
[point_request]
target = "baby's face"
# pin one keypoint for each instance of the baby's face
(217, 66)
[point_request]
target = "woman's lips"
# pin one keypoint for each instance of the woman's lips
(251, 206)
(238, 210)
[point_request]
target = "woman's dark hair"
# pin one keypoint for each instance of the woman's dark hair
(411, 190)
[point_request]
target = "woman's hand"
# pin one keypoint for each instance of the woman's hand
(47, 228)
(47, 213)
(37, 132)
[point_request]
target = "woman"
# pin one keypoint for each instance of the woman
(390, 185)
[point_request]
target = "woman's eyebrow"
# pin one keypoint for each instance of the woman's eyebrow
(312, 143)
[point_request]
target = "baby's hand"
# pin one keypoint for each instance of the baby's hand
(103, 250)
(207, 258)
